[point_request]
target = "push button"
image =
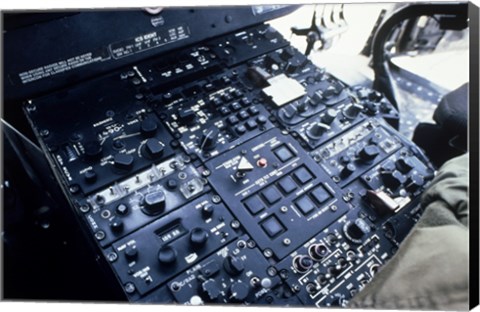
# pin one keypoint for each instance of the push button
(272, 226)
(283, 153)
(254, 205)
(287, 185)
(302, 175)
(305, 204)
(271, 195)
(320, 194)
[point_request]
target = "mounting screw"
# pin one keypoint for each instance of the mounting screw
(268, 253)
(272, 271)
(216, 199)
(333, 208)
(206, 173)
(100, 235)
(84, 208)
(112, 256)
(287, 241)
(129, 288)
(235, 224)
(44, 133)
(74, 189)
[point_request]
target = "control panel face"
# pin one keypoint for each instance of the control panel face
(234, 171)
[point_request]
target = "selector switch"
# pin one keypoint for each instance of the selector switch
(148, 128)
(123, 161)
(351, 111)
(356, 230)
(207, 211)
(209, 139)
(348, 170)
(167, 255)
(131, 252)
(154, 148)
(116, 224)
(404, 165)
(239, 291)
(90, 176)
(393, 179)
(316, 130)
(154, 203)
(329, 116)
(198, 237)
(93, 151)
(210, 290)
(233, 265)
(288, 112)
(369, 153)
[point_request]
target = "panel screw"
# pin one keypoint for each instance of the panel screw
(216, 199)
(206, 173)
(287, 241)
(112, 256)
(333, 208)
(74, 189)
(129, 288)
(235, 224)
(84, 208)
(44, 133)
(272, 271)
(100, 235)
(267, 253)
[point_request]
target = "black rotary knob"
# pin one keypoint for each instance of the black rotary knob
(154, 148)
(210, 290)
(348, 170)
(316, 130)
(239, 291)
(352, 111)
(116, 224)
(393, 179)
(93, 150)
(356, 230)
(329, 116)
(198, 237)
(90, 176)
(404, 165)
(369, 153)
(302, 263)
(414, 182)
(167, 255)
(123, 161)
(131, 252)
(233, 265)
(207, 211)
(148, 127)
(154, 203)
(209, 139)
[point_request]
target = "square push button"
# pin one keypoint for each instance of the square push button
(302, 175)
(254, 204)
(305, 205)
(283, 153)
(320, 194)
(272, 226)
(271, 195)
(287, 185)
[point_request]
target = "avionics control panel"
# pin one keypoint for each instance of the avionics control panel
(234, 171)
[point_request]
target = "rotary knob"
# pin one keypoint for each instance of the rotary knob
(154, 203)
(116, 224)
(356, 230)
(207, 211)
(123, 162)
(198, 237)
(393, 179)
(404, 165)
(93, 150)
(351, 111)
(210, 290)
(90, 176)
(239, 292)
(209, 139)
(329, 116)
(348, 170)
(148, 127)
(154, 148)
(369, 153)
(233, 265)
(131, 253)
(167, 255)
(316, 130)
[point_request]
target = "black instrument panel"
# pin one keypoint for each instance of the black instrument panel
(234, 171)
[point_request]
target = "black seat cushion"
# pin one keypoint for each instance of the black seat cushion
(452, 111)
